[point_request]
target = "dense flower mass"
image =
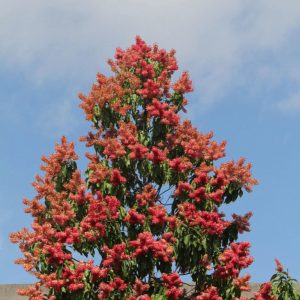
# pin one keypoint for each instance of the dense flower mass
(233, 259)
(149, 207)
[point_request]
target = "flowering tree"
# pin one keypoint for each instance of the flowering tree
(148, 209)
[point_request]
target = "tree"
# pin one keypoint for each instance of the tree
(148, 209)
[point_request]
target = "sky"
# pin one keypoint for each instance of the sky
(243, 58)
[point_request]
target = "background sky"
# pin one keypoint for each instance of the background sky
(243, 57)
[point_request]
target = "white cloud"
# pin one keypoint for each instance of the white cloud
(60, 39)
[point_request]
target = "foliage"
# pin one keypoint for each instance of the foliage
(280, 287)
(148, 209)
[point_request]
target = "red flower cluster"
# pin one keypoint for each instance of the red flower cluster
(172, 282)
(127, 133)
(265, 292)
(210, 294)
(166, 113)
(75, 274)
(115, 256)
(210, 222)
(71, 235)
(233, 260)
(116, 177)
(117, 284)
(100, 209)
(139, 151)
(180, 164)
(98, 172)
(113, 149)
(242, 283)
(183, 84)
(237, 172)
(195, 144)
(242, 222)
(158, 214)
(34, 292)
(145, 243)
(134, 217)
(157, 155)
(148, 196)
(140, 289)
(56, 254)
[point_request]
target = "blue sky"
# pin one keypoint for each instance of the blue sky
(243, 57)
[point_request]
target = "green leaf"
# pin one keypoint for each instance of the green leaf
(186, 240)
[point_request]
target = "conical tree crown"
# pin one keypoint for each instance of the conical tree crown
(148, 208)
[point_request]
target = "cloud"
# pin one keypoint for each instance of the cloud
(69, 40)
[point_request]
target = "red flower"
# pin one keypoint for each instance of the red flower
(127, 133)
(104, 290)
(113, 149)
(182, 187)
(98, 171)
(162, 250)
(242, 283)
(211, 222)
(162, 110)
(56, 254)
(171, 280)
(265, 292)
(140, 287)
(68, 236)
(115, 256)
(233, 259)
(93, 225)
(174, 293)
(180, 164)
(239, 173)
(150, 89)
(145, 243)
(134, 217)
(148, 196)
(170, 117)
(145, 69)
(183, 84)
(119, 284)
(279, 266)
(242, 222)
(157, 108)
(216, 196)
(116, 177)
(139, 151)
(158, 214)
(210, 294)
(199, 194)
(157, 155)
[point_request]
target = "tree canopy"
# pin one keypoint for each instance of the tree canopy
(148, 209)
